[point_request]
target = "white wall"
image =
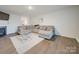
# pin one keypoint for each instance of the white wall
(13, 22)
(66, 21)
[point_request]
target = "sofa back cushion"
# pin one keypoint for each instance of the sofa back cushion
(20, 28)
(42, 28)
(46, 28)
(50, 28)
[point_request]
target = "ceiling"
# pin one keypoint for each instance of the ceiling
(37, 9)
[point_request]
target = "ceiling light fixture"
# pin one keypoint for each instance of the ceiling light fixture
(30, 7)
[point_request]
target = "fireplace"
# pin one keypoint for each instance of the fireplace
(2, 30)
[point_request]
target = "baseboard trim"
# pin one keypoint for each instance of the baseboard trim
(69, 38)
(66, 37)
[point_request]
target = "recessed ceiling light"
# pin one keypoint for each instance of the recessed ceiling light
(30, 7)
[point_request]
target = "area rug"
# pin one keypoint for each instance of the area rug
(26, 42)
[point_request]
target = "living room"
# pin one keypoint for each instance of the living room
(59, 22)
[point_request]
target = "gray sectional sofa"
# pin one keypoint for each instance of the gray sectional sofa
(44, 31)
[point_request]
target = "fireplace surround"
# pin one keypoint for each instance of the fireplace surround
(2, 30)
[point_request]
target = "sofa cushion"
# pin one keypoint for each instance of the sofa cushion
(43, 32)
(37, 27)
(42, 27)
(49, 28)
(22, 28)
(35, 30)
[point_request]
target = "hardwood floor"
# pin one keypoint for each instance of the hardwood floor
(6, 46)
(60, 45)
